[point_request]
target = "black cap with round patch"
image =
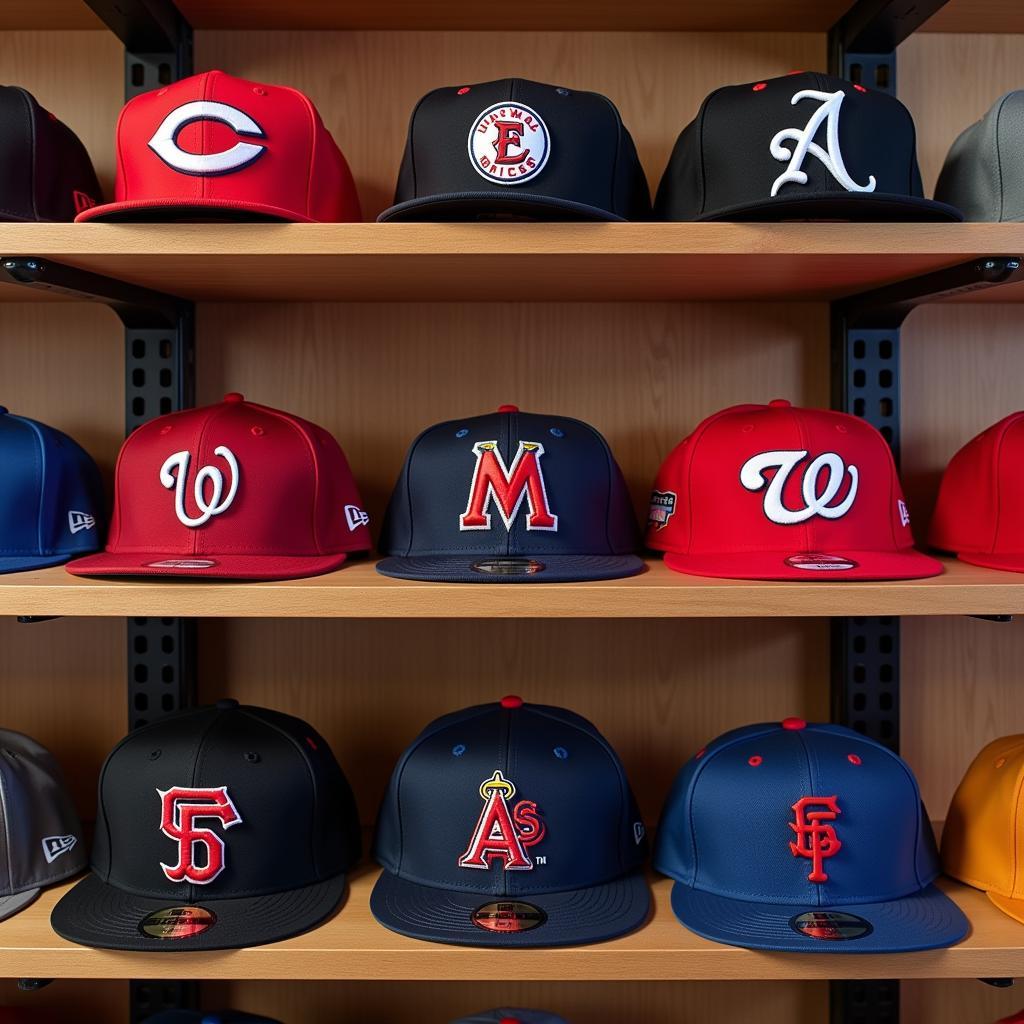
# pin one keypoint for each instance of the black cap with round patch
(805, 146)
(218, 828)
(518, 150)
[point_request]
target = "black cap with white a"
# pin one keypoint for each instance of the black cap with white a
(518, 150)
(805, 146)
(40, 834)
(218, 828)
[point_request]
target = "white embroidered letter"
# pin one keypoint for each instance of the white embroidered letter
(752, 478)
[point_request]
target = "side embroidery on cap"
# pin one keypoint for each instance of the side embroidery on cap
(904, 512)
(165, 139)
(501, 834)
(509, 144)
(181, 807)
(55, 846)
(831, 157)
(663, 505)
(180, 461)
(507, 487)
(816, 839)
(78, 521)
(815, 504)
(355, 517)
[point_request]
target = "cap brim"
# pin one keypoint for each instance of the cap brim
(928, 919)
(573, 918)
(855, 206)
(772, 565)
(223, 567)
(24, 564)
(511, 568)
(94, 913)
(471, 206)
(1009, 561)
(172, 208)
(1011, 907)
(11, 905)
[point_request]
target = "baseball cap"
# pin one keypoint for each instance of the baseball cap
(805, 146)
(773, 492)
(216, 146)
(982, 843)
(51, 503)
(510, 825)
(43, 841)
(984, 171)
(218, 828)
(196, 1017)
(510, 497)
(981, 499)
(511, 1016)
(230, 491)
(773, 835)
(45, 171)
(518, 150)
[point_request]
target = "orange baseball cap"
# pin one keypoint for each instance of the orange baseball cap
(983, 838)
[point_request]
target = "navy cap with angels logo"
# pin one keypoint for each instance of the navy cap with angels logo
(218, 828)
(805, 838)
(518, 150)
(510, 824)
(510, 497)
(805, 146)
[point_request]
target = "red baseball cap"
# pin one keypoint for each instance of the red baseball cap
(215, 146)
(980, 512)
(230, 491)
(771, 492)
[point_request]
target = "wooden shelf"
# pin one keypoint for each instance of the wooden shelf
(352, 945)
(358, 591)
(523, 262)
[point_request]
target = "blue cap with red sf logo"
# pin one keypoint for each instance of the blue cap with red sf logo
(804, 838)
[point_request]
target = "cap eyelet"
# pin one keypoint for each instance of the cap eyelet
(252, 757)
(853, 759)
(562, 92)
(1000, 762)
(259, 90)
(700, 753)
(561, 753)
(760, 86)
(555, 432)
(840, 429)
(257, 431)
(747, 428)
(462, 91)
(755, 760)
(458, 750)
(154, 755)
(461, 433)
(165, 430)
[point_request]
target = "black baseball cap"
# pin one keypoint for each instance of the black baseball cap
(510, 825)
(45, 172)
(805, 146)
(510, 497)
(218, 828)
(984, 171)
(41, 835)
(518, 150)
(198, 1017)
(511, 1015)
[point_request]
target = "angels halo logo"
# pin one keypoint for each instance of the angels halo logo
(509, 143)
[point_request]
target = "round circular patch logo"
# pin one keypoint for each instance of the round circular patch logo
(830, 925)
(509, 144)
(182, 563)
(177, 922)
(511, 916)
(817, 562)
(508, 566)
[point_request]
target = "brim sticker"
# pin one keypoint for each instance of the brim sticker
(830, 926)
(177, 922)
(508, 566)
(509, 916)
(181, 563)
(817, 562)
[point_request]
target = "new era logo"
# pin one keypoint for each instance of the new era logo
(78, 521)
(55, 846)
(356, 517)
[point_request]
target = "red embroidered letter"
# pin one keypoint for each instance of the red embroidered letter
(180, 808)
(507, 487)
(814, 838)
(510, 133)
(500, 835)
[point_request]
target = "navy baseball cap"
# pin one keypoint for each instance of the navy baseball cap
(196, 1017)
(51, 504)
(804, 838)
(510, 497)
(511, 1015)
(510, 825)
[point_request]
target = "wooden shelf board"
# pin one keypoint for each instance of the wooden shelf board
(358, 591)
(50, 14)
(351, 945)
(517, 262)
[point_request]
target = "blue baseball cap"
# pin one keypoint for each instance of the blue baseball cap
(51, 502)
(196, 1017)
(510, 825)
(510, 497)
(511, 1015)
(804, 838)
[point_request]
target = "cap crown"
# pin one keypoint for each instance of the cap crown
(51, 500)
(215, 139)
(731, 820)
(510, 483)
(510, 801)
(224, 801)
(516, 136)
(982, 841)
(981, 498)
(270, 483)
(777, 478)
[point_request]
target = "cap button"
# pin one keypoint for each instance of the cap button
(780, 403)
(226, 704)
(794, 723)
(234, 396)
(508, 408)
(511, 701)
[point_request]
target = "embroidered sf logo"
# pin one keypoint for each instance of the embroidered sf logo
(165, 139)
(815, 838)
(501, 834)
(218, 503)
(831, 157)
(180, 809)
(815, 504)
(509, 144)
(507, 487)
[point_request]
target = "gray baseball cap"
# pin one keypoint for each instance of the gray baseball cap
(510, 1015)
(984, 171)
(40, 834)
